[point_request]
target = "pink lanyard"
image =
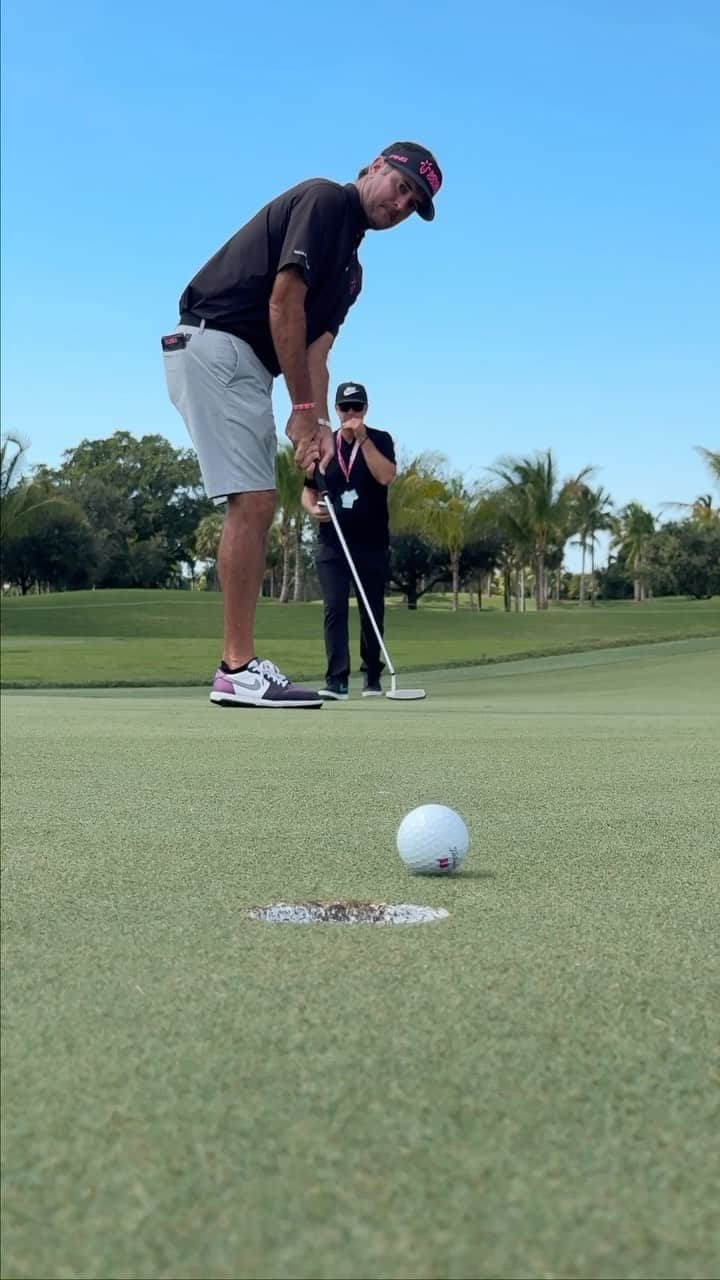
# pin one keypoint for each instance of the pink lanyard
(346, 467)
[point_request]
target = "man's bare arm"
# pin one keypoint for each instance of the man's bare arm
(317, 354)
(306, 429)
(288, 327)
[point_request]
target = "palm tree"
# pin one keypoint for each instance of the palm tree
(633, 529)
(592, 513)
(484, 541)
(11, 463)
(417, 485)
(447, 522)
(19, 498)
(207, 536)
(712, 458)
(273, 556)
(416, 500)
(509, 512)
(299, 523)
(701, 510)
(289, 485)
(542, 507)
(206, 543)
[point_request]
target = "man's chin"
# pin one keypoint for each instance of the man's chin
(381, 221)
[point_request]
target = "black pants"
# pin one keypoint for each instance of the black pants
(335, 582)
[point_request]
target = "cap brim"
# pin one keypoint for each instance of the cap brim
(427, 210)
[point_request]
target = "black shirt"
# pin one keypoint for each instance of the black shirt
(316, 226)
(365, 522)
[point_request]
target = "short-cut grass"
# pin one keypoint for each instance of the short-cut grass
(528, 1088)
(148, 638)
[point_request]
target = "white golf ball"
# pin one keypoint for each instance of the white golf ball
(432, 840)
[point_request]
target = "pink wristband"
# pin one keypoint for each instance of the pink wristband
(302, 408)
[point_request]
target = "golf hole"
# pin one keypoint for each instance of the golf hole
(347, 913)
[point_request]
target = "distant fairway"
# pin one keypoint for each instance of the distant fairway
(132, 638)
(527, 1089)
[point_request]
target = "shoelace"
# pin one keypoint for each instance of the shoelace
(271, 672)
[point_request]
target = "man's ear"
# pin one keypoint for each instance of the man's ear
(377, 165)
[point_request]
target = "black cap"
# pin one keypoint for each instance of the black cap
(423, 168)
(351, 393)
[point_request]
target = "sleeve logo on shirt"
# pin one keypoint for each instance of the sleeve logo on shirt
(300, 253)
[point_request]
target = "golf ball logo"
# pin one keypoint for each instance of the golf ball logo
(432, 840)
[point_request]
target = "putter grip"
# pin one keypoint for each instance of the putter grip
(320, 479)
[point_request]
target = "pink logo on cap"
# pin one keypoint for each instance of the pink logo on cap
(400, 159)
(427, 171)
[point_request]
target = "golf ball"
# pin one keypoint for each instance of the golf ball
(432, 840)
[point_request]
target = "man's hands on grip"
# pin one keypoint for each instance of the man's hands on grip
(311, 438)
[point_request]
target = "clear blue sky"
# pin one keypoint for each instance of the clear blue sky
(566, 294)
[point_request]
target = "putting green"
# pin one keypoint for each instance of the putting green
(526, 1088)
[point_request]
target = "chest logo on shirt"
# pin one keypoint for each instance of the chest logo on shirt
(348, 498)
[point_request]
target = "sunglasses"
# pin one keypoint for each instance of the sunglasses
(347, 408)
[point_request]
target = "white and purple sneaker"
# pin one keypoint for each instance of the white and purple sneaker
(260, 684)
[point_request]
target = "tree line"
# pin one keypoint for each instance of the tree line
(128, 512)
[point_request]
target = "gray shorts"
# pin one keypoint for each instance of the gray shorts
(224, 394)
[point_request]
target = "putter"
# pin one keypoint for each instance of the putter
(404, 695)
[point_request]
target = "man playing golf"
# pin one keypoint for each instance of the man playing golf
(357, 478)
(271, 301)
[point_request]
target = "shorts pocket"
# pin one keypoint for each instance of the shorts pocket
(219, 353)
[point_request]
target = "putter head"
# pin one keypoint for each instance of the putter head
(405, 695)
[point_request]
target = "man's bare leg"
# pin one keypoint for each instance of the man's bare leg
(241, 567)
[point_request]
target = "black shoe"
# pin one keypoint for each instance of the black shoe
(372, 689)
(334, 691)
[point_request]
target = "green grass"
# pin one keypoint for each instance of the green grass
(130, 638)
(527, 1089)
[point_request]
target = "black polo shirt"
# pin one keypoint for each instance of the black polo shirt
(316, 226)
(364, 516)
